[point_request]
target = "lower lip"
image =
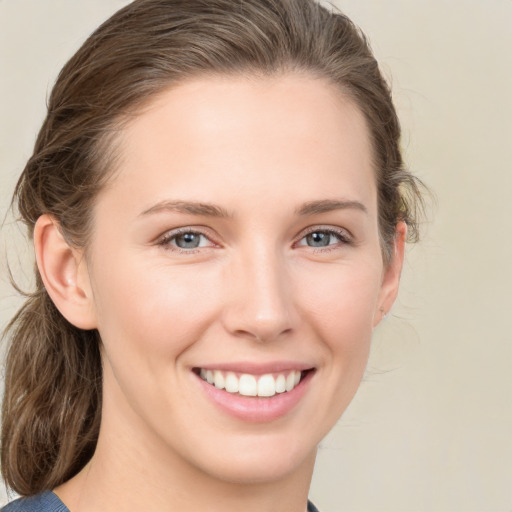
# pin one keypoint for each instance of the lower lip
(257, 409)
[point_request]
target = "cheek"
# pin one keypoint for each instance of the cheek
(336, 303)
(153, 313)
(340, 308)
(342, 298)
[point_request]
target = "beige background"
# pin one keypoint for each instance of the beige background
(430, 429)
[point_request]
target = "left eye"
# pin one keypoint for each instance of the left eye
(187, 240)
(321, 238)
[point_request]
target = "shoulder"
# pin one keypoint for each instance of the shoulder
(311, 507)
(44, 502)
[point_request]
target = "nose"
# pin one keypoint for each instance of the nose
(259, 303)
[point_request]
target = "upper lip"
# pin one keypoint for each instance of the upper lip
(254, 368)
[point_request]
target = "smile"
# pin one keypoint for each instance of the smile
(246, 384)
(255, 393)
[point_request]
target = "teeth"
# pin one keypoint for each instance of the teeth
(281, 384)
(250, 385)
(266, 386)
(290, 381)
(231, 383)
(218, 379)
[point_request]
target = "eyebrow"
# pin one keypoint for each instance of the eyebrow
(212, 210)
(189, 207)
(328, 205)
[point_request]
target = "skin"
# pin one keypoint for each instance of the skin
(254, 290)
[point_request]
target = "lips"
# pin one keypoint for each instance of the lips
(255, 393)
(246, 384)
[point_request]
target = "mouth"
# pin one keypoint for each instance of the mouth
(255, 393)
(251, 385)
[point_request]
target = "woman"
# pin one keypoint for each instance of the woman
(219, 210)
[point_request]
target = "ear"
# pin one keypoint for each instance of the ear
(64, 273)
(391, 276)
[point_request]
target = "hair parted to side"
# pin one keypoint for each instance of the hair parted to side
(52, 404)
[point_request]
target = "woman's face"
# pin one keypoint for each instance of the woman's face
(238, 243)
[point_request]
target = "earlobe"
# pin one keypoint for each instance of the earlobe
(64, 273)
(391, 275)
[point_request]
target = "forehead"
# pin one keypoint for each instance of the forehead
(259, 136)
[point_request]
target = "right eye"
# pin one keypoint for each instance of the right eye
(185, 241)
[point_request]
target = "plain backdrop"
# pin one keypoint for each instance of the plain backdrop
(430, 428)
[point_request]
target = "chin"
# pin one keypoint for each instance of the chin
(258, 460)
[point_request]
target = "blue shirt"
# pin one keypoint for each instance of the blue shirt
(44, 502)
(50, 502)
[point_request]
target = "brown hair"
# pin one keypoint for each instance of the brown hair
(52, 404)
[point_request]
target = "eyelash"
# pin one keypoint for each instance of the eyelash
(165, 240)
(344, 238)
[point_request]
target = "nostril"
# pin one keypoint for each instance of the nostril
(263, 335)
